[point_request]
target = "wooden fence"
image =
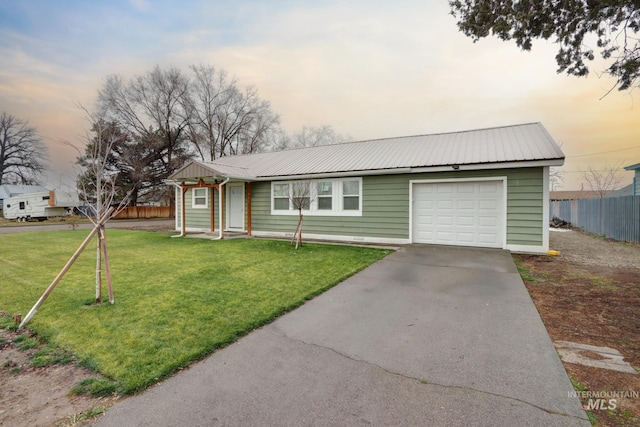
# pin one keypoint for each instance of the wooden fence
(145, 212)
(614, 217)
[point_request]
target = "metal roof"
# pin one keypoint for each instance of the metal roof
(519, 143)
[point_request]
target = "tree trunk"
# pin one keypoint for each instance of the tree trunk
(107, 268)
(297, 236)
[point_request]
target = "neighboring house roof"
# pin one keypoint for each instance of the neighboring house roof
(632, 167)
(507, 146)
(10, 190)
(624, 191)
(575, 195)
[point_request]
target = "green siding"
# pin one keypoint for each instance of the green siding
(385, 207)
(197, 218)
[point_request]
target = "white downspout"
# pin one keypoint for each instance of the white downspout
(220, 209)
(182, 226)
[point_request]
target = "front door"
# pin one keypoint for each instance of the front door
(236, 206)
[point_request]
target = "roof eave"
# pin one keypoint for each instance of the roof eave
(426, 169)
(215, 174)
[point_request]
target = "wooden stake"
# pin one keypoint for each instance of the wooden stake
(107, 267)
(66, 268)
(98, 270)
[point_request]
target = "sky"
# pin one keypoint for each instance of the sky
(369, 69)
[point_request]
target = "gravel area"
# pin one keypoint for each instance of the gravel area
(578, 247)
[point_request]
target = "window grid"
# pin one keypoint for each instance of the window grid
(337, 197)
(199, 198)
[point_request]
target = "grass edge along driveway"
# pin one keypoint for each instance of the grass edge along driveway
(177, 300)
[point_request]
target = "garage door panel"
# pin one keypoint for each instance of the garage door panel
(487, 238)
(444, 204)
(490, 205)
(487, 221)
(444, 237)
(465, 188)
(466, 204)
(487, 187)
(444, 220)
(466, 221)
(444, 188)
(465, 238)
(466, 213)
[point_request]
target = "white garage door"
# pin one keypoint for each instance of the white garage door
(464, 213)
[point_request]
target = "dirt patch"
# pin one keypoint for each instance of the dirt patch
(590, 294)
(32, 396)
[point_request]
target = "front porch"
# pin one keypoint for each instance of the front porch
(215, 207)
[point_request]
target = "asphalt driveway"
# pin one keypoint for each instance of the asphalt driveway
(430, 335)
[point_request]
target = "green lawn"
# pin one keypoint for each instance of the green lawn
(177, 300)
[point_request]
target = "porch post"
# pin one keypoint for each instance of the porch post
(249, 208)
(222, 213)
(213, 211)
(183, 215)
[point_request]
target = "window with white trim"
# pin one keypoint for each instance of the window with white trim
(324, 197)
(324, 191)
(199, 198)
(351, 195)
(280, 196)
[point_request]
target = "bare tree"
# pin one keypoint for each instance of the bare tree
(209, 94)
(261, 127)
(223, 119)
(300, 196)
(280, 140)
(556, 178)
(603, 181)
(151, 108)
(22, 152)
(310, 136)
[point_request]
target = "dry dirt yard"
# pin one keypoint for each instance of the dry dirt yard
(32, 396)
(590, 294)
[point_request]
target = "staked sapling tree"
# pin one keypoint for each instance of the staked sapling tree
(99, 187)
(300, 198)
(98, 180)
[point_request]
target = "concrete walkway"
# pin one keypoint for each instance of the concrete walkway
(428, 336)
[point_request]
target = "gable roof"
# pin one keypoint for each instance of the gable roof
(627, 190)
(632, 167)
(507, 146)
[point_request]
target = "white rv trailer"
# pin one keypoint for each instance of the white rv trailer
(40, 206)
